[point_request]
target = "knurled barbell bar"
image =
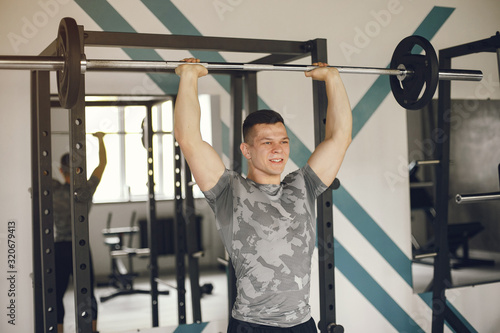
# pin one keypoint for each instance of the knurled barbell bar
(115, 133)
(413, 76)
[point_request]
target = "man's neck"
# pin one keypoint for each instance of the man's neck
(264, 178)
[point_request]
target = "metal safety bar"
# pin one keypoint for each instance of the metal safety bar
(426, 255)
(58, 63)
(426, 162)
(478, 197)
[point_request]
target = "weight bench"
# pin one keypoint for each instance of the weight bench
(122, 278)
(459, 235)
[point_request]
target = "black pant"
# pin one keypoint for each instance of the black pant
(237, 326)
(64, 268)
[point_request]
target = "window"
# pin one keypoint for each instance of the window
(125, 176)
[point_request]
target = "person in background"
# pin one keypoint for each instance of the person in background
(63, 231)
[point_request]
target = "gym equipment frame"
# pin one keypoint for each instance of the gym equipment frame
(44, 291)
(442, 275)
(409, 74)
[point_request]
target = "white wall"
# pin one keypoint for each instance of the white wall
(373, 172)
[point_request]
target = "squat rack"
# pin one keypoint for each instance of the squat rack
(441, 311)
(243, 84)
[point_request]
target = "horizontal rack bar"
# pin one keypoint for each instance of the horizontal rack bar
(427, 162)
(426, 255)
(187, 42)
(421, 185)
(478, 197)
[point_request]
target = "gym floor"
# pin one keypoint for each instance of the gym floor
(132, 313)
(422, 276)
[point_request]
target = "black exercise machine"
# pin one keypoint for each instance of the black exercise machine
(459, 234)
(121, 277)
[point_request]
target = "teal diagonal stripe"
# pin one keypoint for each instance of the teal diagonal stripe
(110, 20)
(191, 328)
(362, 221)
(373, 292)
(173, 19)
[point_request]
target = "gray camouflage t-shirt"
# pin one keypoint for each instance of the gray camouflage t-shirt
(62, 207)
(269, 233)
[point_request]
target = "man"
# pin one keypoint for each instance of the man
(63, 231)
(267, 224)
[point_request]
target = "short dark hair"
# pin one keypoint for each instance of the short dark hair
(260, 117)
(65, 163)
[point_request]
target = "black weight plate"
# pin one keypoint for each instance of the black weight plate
(417, 90)
(68, 47)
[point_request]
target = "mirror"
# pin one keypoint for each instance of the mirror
(119, 211)
(473, 229)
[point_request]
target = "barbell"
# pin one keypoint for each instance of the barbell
(116, 133)
(413, 76)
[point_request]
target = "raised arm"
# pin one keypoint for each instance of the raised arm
(329, 154)
(204, 162)
(99, 170)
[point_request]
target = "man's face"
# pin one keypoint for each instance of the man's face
(268, 149)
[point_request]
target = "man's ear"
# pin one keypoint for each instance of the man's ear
(244, 150)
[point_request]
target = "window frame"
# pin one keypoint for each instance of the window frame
(162, 189)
